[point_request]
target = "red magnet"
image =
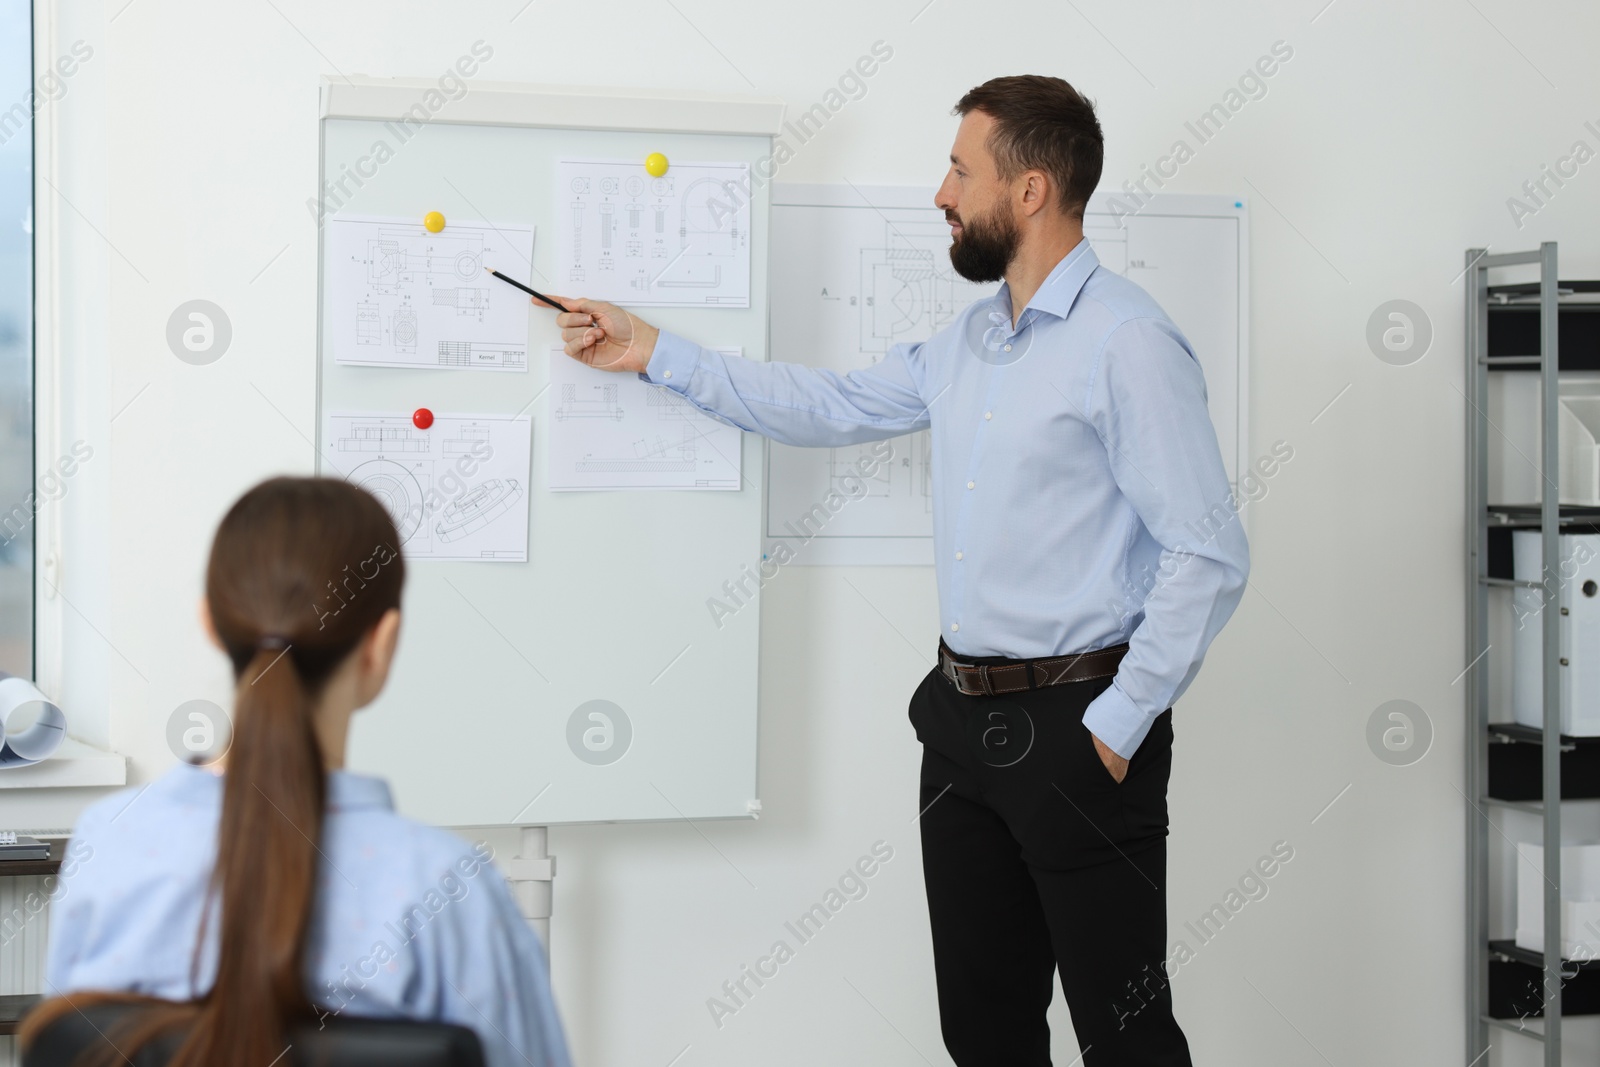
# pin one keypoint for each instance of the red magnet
(422, 418)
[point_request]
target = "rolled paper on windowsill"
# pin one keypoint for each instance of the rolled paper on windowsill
(31, 725)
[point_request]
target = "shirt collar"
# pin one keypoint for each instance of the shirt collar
(346, 791)
(1061, 287)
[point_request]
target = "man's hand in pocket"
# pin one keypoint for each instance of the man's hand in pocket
(1114, 763)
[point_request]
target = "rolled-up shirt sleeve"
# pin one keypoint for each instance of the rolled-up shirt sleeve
(795, 404)
(1148, 403)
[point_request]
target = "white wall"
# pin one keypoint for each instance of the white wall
(1387, 145)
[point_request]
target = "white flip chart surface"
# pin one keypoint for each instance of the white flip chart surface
(456, 491)
(680, 240)
(614, 431)
(400, 296)
(513, 651)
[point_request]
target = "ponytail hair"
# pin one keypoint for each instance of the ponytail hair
(301, 570)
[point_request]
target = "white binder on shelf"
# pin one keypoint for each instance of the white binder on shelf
(1580, 899)
(1577, 580)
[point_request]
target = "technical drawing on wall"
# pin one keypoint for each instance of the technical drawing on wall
(908, 289)
(400, 296)
(614, 431)
(858, 270)
(477, 508)
(456, 491)
(852, 277)
(680, 240)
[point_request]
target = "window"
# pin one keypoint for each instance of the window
(18, 103)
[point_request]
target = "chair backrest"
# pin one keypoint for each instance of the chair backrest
(338, 1041)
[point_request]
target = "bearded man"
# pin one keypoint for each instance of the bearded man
(1072, 452)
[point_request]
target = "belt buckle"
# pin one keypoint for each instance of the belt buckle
(985, 683)
(953, 671)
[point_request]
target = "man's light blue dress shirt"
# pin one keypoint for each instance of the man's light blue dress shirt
(410, 921)
(1080, 498)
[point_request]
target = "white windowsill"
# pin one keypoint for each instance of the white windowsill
(74, 764)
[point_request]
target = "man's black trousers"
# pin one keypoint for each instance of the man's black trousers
(1036, 860)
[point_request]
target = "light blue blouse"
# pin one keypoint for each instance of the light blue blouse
(410, 920)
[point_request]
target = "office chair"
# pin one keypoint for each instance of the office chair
(338, 1041)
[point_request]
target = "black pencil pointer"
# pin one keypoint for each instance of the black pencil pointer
(531, 292)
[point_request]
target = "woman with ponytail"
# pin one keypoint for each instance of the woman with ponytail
(274, 887)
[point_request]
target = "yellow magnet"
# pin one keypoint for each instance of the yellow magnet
(433, 221)
(655, 164)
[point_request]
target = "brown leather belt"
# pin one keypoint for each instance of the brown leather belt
(1020, 675)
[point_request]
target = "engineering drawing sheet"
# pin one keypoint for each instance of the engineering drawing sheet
(680, 240)
(855, 271)
(456, 491)
(399, 296)
(850, 278)
(615, 431)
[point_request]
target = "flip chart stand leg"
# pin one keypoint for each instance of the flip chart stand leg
(531, 875)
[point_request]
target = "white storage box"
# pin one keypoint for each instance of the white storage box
(1580, 900)
(1578, 435)
(1577, 580)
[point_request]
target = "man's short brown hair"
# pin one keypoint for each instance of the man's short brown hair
(1042, 123)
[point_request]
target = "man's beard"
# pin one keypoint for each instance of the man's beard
(986, 246)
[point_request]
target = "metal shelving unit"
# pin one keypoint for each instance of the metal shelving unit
(1484, 517)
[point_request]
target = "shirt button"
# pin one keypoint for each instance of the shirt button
(666, 374)
(1008, 348)
(972, 485)
(954, 627)
(988, 414)
(959, 555)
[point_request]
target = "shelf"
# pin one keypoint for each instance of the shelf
(1516, 765)
(1514, 329)
(13, 1007)
(1519, 1027)
(1527, 516)
(1509, 948)
(35, 868)
(1532, 735)
(1530, 290)
(1516, 978)
(74, 764)
(1533, 807)
(1504, 518)
(1506, 331)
